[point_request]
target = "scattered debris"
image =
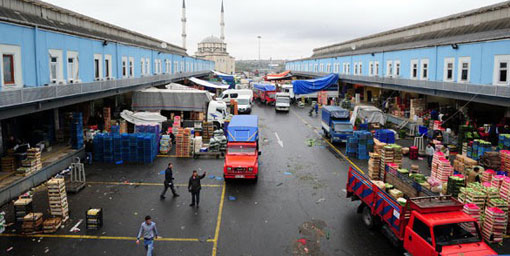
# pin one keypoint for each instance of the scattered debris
(9, 249)
(231, 198)
(46, 250)
(75, 228)
(161, 172)
(219, 178)
(183, 227)
(320, 200)
(135, 213)
(287, 173)
(212, 177)
(302, 241)
(279, 184)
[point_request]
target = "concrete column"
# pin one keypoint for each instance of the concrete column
(1, 140)
(56, 118)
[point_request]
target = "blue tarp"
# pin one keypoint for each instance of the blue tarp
(314, 85)
(227, 78)
(243, 128)
(265, 87)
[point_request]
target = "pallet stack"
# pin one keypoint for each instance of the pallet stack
(387, 156)
(183, 143)
(77, 131)
(417, 107)
(32, 223)
(107, 115)
(31, 164)
(397, 155)
(441, 167)
(476, 197)
(94, 218)
(378, 146)
(22, 207)
(2, 222)
(494, 225)
(487, 175)
(504, 191)
(8, 164)
(208, 131)
(474, 211)
(455, 182)
(505, 160)
(58, 198)
(374, 166)
(51, 225)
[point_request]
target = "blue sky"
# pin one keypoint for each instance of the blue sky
(289, 28)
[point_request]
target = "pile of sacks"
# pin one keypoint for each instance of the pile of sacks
(218, 142)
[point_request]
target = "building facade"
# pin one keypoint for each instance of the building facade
(463, 56)
(215, 49)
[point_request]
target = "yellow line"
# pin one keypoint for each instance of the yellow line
(218, 223)
(103, 237)
(145, 184)
(329, 143)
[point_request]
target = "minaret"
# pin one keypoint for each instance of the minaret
(183, 20)
(222, 23)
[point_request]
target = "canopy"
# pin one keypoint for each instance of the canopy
(265, 87)
(314, 85)
(243, 128)
(153, 99)
(227, 78)
(208, 83)
(283, 75)
(370, 113)
(143, 118)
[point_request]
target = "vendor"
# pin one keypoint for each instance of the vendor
(474, 174)
(12, 143)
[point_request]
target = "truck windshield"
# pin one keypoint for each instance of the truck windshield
(457, 233)
(271, 95)
(282, 100)
(343, 127)
(243, 101)
(241, 150)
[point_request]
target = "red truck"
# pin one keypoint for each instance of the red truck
(265, 93)
(425, 226)
(241, 159)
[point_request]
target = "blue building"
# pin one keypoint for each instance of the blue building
(465, 57)
(55, 61)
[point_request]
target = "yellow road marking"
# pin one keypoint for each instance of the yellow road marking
(126, 238)
(329, 143)
(145, 184)
(218, 223)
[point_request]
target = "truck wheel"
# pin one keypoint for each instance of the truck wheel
(368, 218)
(256, 179)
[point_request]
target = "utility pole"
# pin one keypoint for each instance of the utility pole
(259, 37)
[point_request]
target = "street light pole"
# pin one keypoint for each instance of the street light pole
(259, 37)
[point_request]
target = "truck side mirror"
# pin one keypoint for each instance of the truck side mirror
(439, 248)
(260, 153)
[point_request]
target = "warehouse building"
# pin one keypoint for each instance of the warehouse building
(454, 60)
(55, 61)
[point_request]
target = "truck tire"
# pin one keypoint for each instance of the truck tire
(367, 218)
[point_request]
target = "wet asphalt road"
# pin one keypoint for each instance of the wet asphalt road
(298, 206)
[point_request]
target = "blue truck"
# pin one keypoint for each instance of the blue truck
(336, 123)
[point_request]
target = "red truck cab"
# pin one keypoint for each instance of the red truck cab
(266, 93)
(241, 158)
(424, 226)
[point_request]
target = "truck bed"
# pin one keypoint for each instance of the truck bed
(381, 203)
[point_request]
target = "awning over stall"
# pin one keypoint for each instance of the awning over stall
(314, 85)
(208, 83)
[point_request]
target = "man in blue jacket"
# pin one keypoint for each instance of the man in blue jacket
(169, 181)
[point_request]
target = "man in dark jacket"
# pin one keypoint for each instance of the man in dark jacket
(194, 187)
(169, 181)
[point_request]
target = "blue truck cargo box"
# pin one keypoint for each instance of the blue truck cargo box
(243, 128)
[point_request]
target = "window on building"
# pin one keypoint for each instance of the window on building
(397, 69)
(328, 68)
(124, 67)
(72, 66)
(355, 68)
(348, 68)
(370, 68)
(131, 67)
(56, 72)
(425, 69)
(360, 69)
(449, 65)
(176, 66)
(147, 66)
(376, 68)
(156, 67)
(389, 68)
(142, 66)
(315, 68)
(501, 70)
(464, 67)
(98, 72)
(8, 69)
(108, 66)
(414, 69)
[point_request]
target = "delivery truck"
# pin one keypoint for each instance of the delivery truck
(423, 226)
(265, 93)
(242, 156)
(335, 123)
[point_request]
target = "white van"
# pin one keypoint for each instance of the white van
(282, 102)
(232, 94)
(243, 104)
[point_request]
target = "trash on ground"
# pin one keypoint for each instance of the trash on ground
(162, 172)
(320, 200)
(279, 184)
(231, 198)
(212, 177)
(219, 178)
(75, 228)
(302, 241)
(9, 249)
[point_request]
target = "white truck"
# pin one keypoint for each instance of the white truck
(282, 102)
(243, 104)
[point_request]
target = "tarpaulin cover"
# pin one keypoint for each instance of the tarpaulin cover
(208, 83)
(227, 78)
(370, 113)
(265, 87)
(314, 85)
(337, 112)
(282, 75)
(143, 118)
(154, 99)
(243, 128)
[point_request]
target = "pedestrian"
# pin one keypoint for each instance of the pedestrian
(194, 187)
(429, 150)
(169, 181)
(150, 233)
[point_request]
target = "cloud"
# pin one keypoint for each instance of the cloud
(289, 28)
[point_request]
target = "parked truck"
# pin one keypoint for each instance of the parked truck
(336, 123)
(265, 93)
(424, 226)
(241, 158)
(282, 102)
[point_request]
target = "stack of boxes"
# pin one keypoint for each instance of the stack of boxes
(51, 225)
(487, 175)
(455, 182)
(417, 107)
(8, 164)
(58, 198)
(387, 156)
(378, 146)
(365, 144)
(132, 147)
(183, 143)
(479, 148)
(374, 166)
(22, 207)
(165, 144)
(31, 164)
(441, 168)
(505, 160)
(208, 131)
(176, 125)
(463, 164)
(94, 218)
(77, 131)
(32, 223)
(351, 148)
(107, 115)
(494, 225)
(474, 211)
(504, 142)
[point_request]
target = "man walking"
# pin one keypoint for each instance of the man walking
(169, 181)
(429, 151)
(194, 187)
(150, 232)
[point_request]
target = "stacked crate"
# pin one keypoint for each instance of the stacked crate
(51, 225)
(474, 211)
(22, 207)
(374, 166)
(387, 156)
(107, 115)
(8, 164)
(183, 143)
(77, 131)
(385, 135)
(94, 218)
(58, 198)
(98, 142)
(351, 148)
(32, 223)
(505, 160)
(417, 107)
(124, 147)
(149, 147)
(108, 149)
(117, 150)
(494, 225)
(133, 145)
(208, 131)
